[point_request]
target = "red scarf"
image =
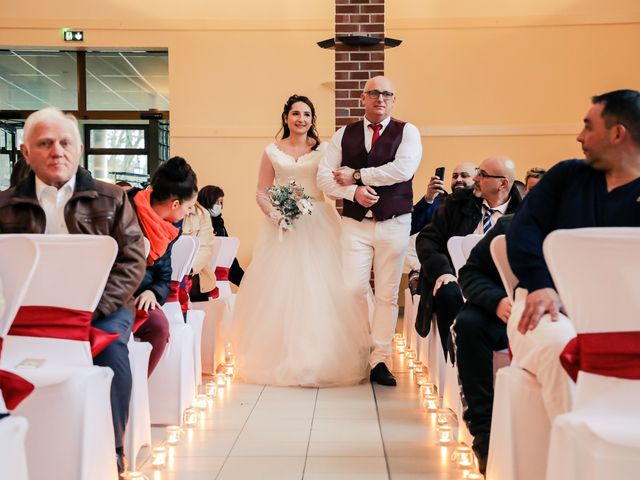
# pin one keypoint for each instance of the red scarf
(159, 232)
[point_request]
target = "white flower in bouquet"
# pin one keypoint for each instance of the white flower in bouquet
(289, 202)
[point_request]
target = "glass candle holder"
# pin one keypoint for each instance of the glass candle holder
(200, 401)
(421, 379)
(228, 369)
(418, 366)
(473, 476)
(446, 416)
(400, 348)
(172, 433)
(445, 434)
(397, 336)
(220, 379)
(428, 389)
(158, 457)
(431, 402)
(463, 456)
(211, 389)
(190, 417)
(410, 354)
(133, 475)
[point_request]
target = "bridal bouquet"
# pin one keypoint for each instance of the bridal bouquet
(291, 202)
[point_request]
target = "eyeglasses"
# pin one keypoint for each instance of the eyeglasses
(376, 94)
(481, 173)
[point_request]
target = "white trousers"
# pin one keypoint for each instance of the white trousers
(538, 352)
(382, 245)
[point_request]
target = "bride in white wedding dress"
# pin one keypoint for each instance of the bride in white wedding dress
(293, 323)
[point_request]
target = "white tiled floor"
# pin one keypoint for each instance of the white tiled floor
(351, 433)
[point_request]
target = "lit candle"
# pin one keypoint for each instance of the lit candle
(159, 457)
(228, 369)
(421, 379)
(190, 417)
(220, 379)
(210, 389)
(410, 354)
(397, 336)
(445, 416)
(463, 456)
(173, 434)
(428, 389)
(417, 366)
(133, 475)
(200, 401)
(445, 434)
(474, 476)
(431, 402)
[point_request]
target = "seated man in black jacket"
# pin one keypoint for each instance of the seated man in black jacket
(479, 330)
(461, 214)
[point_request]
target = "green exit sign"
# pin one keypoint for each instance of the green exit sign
(72, 35)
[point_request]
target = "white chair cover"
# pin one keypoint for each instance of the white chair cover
(138, 432)
(13, 462)
(460, 247)
(16, 270)
(172, 385)
(217, 313)
(227, 249)
(69, 412)
(600, 437)
(520, 424)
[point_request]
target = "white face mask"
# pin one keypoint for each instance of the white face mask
(216, 210)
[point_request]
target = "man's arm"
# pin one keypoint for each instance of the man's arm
(404, 165)
(328, 163)
(129, 266)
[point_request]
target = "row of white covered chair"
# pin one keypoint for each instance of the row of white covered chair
(70, 431)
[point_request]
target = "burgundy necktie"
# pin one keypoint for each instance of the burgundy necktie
(376, 133)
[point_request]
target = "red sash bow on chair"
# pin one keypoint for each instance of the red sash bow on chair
(222, 274)
(63, 323)
(611, 354)
(14, 388)
(178, 294)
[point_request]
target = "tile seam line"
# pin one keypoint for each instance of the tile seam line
(313, 417)
(239, 433)
(384, 448)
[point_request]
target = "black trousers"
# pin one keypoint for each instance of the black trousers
(477, 335)
(446, 305)
(116, 357)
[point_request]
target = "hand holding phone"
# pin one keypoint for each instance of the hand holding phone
(440, 173)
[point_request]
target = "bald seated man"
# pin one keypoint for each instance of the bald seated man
(464, 212)
(462, 177)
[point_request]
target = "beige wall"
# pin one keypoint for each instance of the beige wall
(477, 78)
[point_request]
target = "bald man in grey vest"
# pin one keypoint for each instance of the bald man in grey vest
(370, 165)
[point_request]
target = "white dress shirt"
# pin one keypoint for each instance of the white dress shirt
(401, 169)
(53, 201)
(499, 211)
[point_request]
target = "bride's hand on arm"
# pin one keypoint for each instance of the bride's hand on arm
(266, 175)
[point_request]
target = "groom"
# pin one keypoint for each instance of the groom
(370, 164)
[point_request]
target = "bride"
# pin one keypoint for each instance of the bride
(293, 323)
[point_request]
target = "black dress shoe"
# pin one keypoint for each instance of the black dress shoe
(121, 462)
(480, 447)
(382, 376)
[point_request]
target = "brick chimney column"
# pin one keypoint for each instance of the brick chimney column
(355, 65)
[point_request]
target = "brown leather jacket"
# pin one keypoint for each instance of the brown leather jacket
(95, 208)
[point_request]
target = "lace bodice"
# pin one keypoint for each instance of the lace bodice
(303, 170)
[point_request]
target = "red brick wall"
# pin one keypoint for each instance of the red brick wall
(354, 65)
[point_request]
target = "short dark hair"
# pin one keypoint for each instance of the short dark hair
(209, 195)
(174, 179)
(623, 107)
(535, 172)
(123, 183)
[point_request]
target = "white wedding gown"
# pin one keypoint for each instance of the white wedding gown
(293, 323)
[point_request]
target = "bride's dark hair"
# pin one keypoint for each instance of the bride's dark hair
(313, 132)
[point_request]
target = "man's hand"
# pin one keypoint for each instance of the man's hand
(344, 176)
(504, 309)
(443, 280)
(539, 302)
(147, 301)
(435, 187)
(366, 196)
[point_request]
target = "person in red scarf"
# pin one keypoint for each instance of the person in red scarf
(171, 195)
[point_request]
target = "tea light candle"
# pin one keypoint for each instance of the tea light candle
(173, 434)
(445, 434)
(210, 389)
(133, 475)
(417, 366)
(228, 369)
(421, 379)
(474, 476)
(428, 389)
(200, 401)
(431, 402)
(220, 379)
(397, 336)
(410, 354)
(159, 457)
(445, 416)
(463, 456)
(190, 417)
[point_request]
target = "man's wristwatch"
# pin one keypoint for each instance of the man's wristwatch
(357, 177)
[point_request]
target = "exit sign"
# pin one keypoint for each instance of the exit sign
(73, 35)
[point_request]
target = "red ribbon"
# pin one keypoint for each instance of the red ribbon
(222, 273)
(14, 389)
(59, 322)
(173, 292)
(141, 317)
(611, 354)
